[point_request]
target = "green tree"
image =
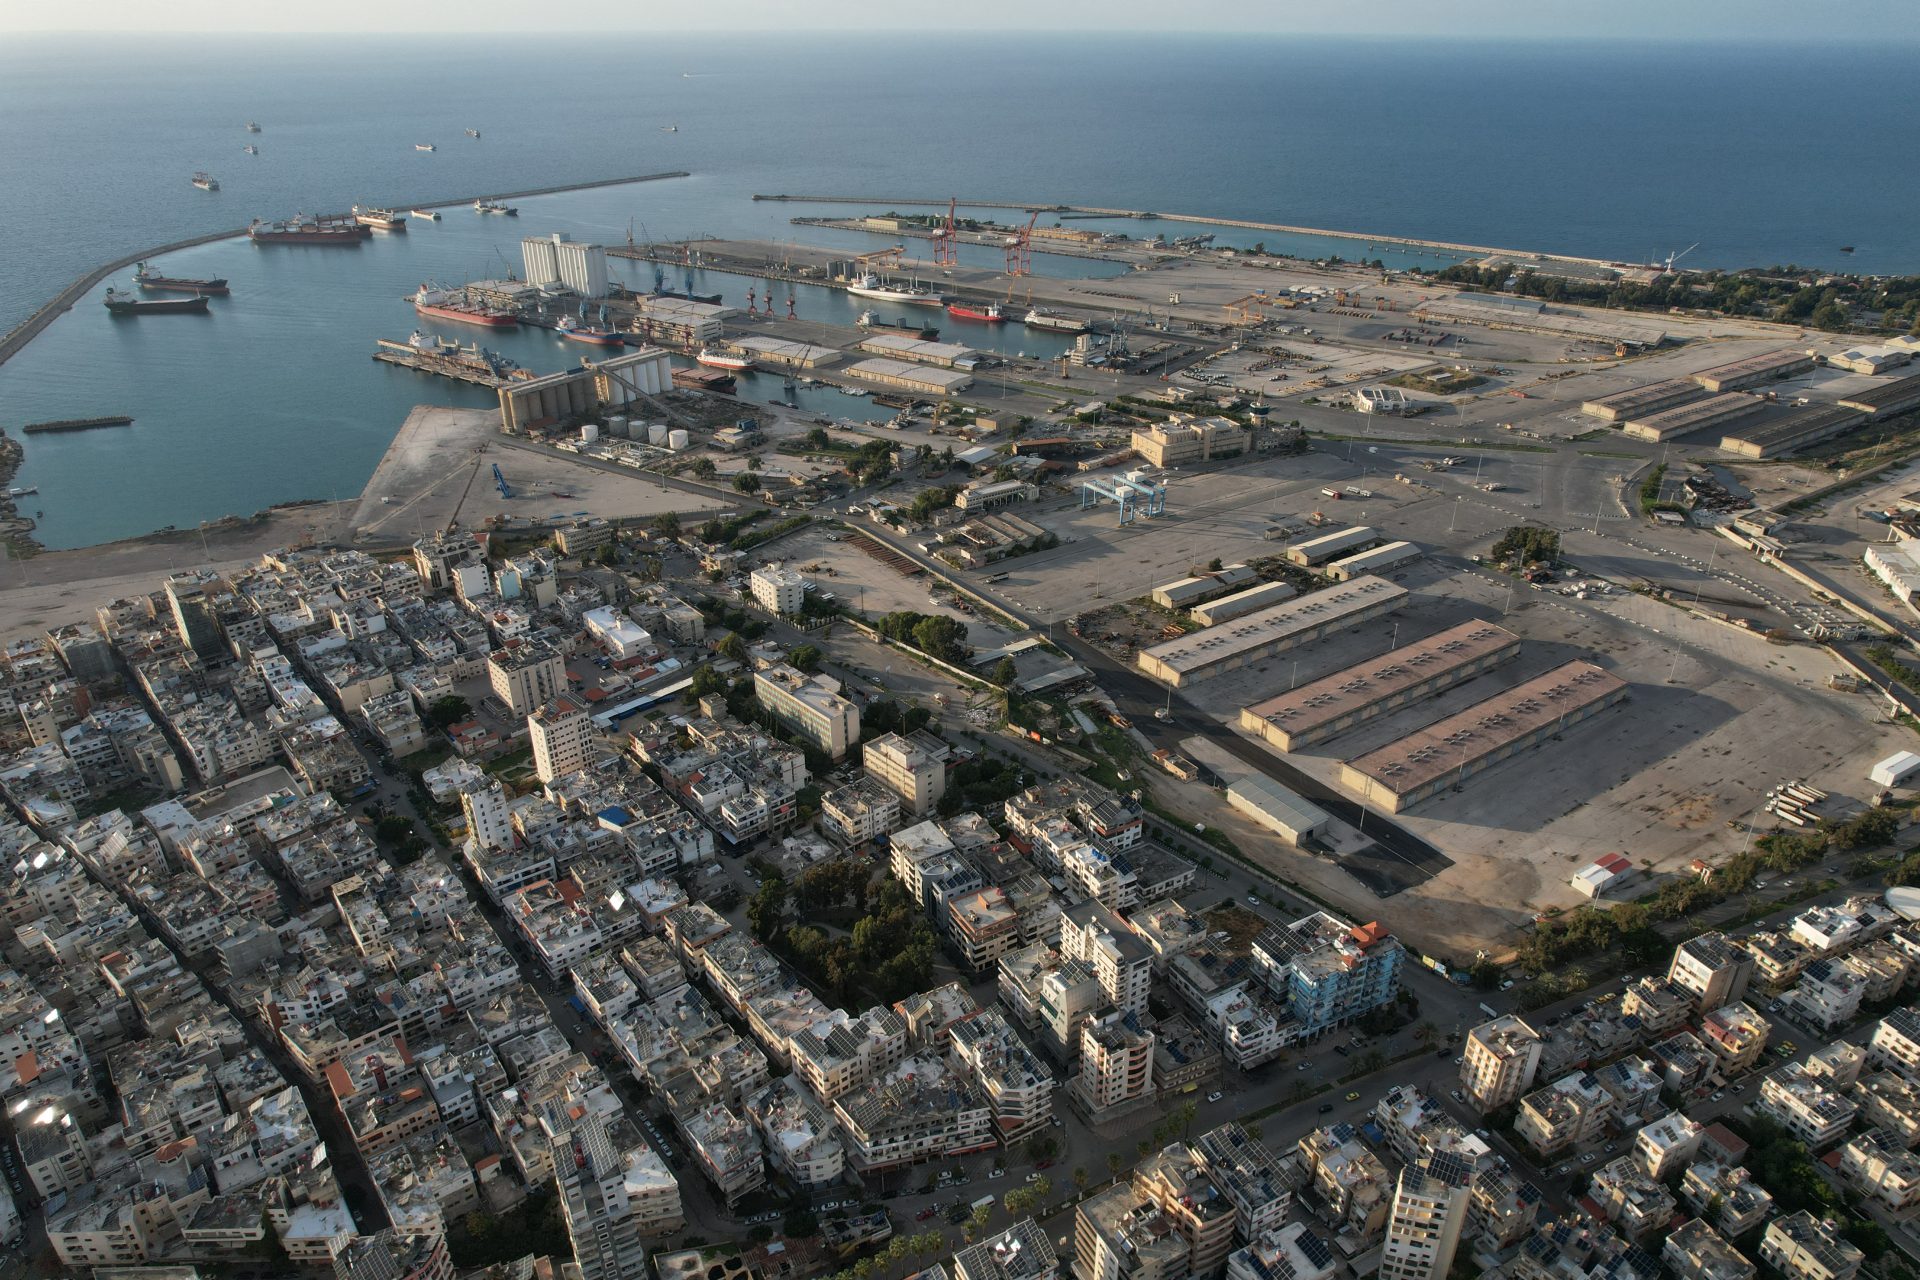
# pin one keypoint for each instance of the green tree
(746, 482)
(1214, 565)
(665, 525)
(732, 646)
(704, 468)
(816, 439)
(1005, 672)
(450, 710)
(767, 908)
(753, 462)
(942, 637)
(1080, 1177)
(804, 657)
(1114, 1161)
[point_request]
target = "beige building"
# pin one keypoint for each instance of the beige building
(1423, 1226)
(526, 676)
(1500, 1062)
(1568, 1112)
(1186, 438)
(909, 769)
(562, 735)
(1802, 1247)
(810, 705)
(1713, 967)
(778, 589)
(1116, 1061)
(1697, 1252)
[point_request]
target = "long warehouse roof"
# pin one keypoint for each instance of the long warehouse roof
(1487, 726)
(1273, 625)
(1325, 700)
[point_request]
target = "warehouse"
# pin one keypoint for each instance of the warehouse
(1527, 315)
(1329, 546)
(1894, 770)
(1754, 370)
(1247, 640)
(1870, 359)
(1335, 703)
(1378, 560)
(1241, 603)
(1714, 411)
(1888, 398)
(783, 353)
(1795, 430)
(1635, 402)
(1184, 593)
(918, 378)
(1447, 752)
(899, 346)
(1604, 875)
(679, 320)
(1276, 808)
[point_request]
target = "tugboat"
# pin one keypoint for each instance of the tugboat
(126, 304)
(206, 181)
(147, 278)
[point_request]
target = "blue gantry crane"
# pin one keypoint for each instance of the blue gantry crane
(505, 490)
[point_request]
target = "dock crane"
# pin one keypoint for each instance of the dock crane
(501, 480)
(944, 248)
(1019, 248)
(1667, 266)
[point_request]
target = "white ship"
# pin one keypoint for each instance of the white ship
(424, 146)
(872, 286)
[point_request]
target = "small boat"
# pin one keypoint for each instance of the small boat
(22, 490)
(425, 215)
(989, 314)
(252, 127)
(574, 331)
(206, 182)
(473, 133)
(379, 219)
(251, 150)
(1846, 248)
(494, 206)
(147, 278)
(722, 359)
(424, 146)
(669, 128)
(127, 304)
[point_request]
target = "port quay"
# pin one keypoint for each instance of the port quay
(28, 329)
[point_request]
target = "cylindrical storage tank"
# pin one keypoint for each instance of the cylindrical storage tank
(677, 439)
(657, 433)
(617, 426)
(589, 432)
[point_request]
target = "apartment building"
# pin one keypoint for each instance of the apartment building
(1713, 968)
(1570, 1111)
(912, 769)
(809, 705)
(1802, 1247)
(1116, 1061)
(1429, 1212)
(1499, 1062)
(1630, 1199)
(1812, 1112)
(1121, 1234)
(1326, 971)
(1736, 1036)
(1880, 1167)
(526, 676)
(778, 589)
(1695, 1251)
(1667, 1145)
(561, 732)
(1120, 961)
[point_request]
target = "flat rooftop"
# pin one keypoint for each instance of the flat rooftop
(1625, 404)
(1693, 417)
(1897, 393)
(1323, 701)
(927, 375)
(1277, 624)
(911, 348)
(1765, 362)
(1802, 426)
(787, 349)
(1466, 738)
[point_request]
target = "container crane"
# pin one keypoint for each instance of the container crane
(501, 480)
(1667, 267)
(1020, 248)
(944, 249)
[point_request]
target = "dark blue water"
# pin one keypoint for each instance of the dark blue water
(1762, 155)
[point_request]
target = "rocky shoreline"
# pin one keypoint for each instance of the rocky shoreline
(16, 530)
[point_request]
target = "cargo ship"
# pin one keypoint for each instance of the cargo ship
(379, 219)
(147, 278)
(431, 354)
(687, 295)
(925, 332)
(494, 206)
(1041, 318)
(449, 304)
(574, 331)
(206, 182)
(126, 304)
(723, 360)
(427, 215)
(718, 381)
(872, 286)
(300, 229)
(989, 314)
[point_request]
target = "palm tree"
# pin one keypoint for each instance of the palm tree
(1113, 1164)
(1144, 1146)
(1188, 1110)
(1080, 1177)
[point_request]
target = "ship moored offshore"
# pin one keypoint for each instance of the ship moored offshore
(127, 304)
(206, 181)
(147, 278)
(301, 229)
(379, 219)
(494, 206)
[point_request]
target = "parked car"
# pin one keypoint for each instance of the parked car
(1353, 1095)
(1325, 1107)
(1215, 1096)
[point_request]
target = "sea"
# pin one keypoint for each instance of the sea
(1726, 155)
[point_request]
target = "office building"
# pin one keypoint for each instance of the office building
(810, 705)
(562, 735)
(908, 768)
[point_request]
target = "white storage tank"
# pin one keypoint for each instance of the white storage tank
(1895, 770)
(589, 432)
(677, 439)
(657, 434)
(617, 426)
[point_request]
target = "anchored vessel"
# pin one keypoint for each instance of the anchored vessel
(126, 304)
(206, 181)
(300, 229)
(575, 331)
(147, 278)
(989, 314)
(494, 206)
(1041, 318)
(379, 219)
(722, 359)
(426, 214)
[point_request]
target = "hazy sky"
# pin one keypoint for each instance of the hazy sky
(1879, 20)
